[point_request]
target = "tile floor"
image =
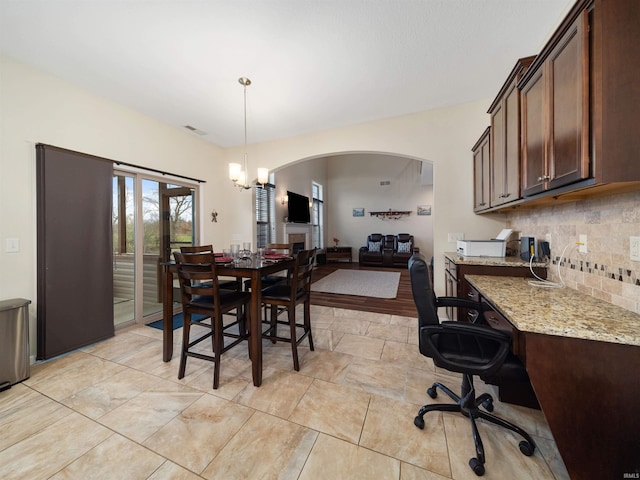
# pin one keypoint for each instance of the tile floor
(115, 410)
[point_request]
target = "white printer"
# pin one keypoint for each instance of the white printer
(495, 247)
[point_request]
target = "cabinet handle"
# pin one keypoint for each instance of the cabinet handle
(470, 294)
(543, 178)
(506, 195)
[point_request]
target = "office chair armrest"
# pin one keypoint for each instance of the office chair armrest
(485, 352)
(459, 302)
(464, 303)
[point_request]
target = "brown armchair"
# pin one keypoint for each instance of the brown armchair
(404, 248)
(371, 253)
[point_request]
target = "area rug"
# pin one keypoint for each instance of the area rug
(364, 283)
(177, 321)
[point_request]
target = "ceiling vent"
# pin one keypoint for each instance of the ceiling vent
(195, 130)
(385, 182)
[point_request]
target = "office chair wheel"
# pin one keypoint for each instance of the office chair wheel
(476, 466)
(431, 391)
(526, 448)
(488, 405)
(419, 422)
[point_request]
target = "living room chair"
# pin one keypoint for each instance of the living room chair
(201, 294)
(466, 348)
(371, 253)
(286, 296)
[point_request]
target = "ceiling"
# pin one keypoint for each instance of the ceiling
(314, 64)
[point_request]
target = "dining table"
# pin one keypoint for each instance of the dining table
(253, 268)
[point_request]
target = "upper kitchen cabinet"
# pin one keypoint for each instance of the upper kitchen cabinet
(505, 138)
(555, 111)
(481, 171)
(579, 111)
(616, 92)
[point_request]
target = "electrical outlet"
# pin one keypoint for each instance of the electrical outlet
(634, 248)
(454, 237)
(582, 248)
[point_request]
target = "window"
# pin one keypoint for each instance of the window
(265, 215)
(317, 215)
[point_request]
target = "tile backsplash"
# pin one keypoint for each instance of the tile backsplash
(606, 271)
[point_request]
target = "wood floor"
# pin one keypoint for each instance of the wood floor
(401, 305)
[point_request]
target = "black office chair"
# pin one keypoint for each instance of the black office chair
(467, 348)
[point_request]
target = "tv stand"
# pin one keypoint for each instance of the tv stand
(339, 253)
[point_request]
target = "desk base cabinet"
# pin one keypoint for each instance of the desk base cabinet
(457, 286)
(589, 393)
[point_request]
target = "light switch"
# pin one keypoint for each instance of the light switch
(634, 248)
(12, 245)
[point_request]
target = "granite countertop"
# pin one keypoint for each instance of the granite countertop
(558, 311)
(490, 261)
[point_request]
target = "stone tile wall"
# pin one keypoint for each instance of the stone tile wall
(606, 270)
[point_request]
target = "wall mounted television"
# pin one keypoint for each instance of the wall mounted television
(298, 208)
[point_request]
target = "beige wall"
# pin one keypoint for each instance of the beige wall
(606, 270)
(354, 182)
(39, 108)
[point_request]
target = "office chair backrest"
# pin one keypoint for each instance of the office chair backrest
(422, 289)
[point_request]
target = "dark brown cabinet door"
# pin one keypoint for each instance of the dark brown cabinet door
(512, 144)
(533, 136)
(555, 115)
(568, 77)
(481, 172)
(498, 161)
(505, 150)
(505, 137)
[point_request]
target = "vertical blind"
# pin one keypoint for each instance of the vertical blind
(75, 269)
(265, 215)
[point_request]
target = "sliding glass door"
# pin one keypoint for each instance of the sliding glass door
(151, 220)
(123, 221)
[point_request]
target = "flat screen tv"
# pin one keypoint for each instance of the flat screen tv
(298, 208)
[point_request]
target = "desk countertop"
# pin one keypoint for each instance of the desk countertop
(558, 311)
(490, 261)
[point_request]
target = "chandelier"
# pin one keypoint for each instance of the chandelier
(237, 173)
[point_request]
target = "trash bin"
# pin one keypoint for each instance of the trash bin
(14, 341)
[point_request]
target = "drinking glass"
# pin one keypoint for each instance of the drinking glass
(235, 250)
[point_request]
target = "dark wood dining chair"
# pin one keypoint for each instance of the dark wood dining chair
(235, 284)
(286, 248)
(201, 294)
(286, 296)
(268, 280)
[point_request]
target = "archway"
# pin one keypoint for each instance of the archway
(357, 183)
